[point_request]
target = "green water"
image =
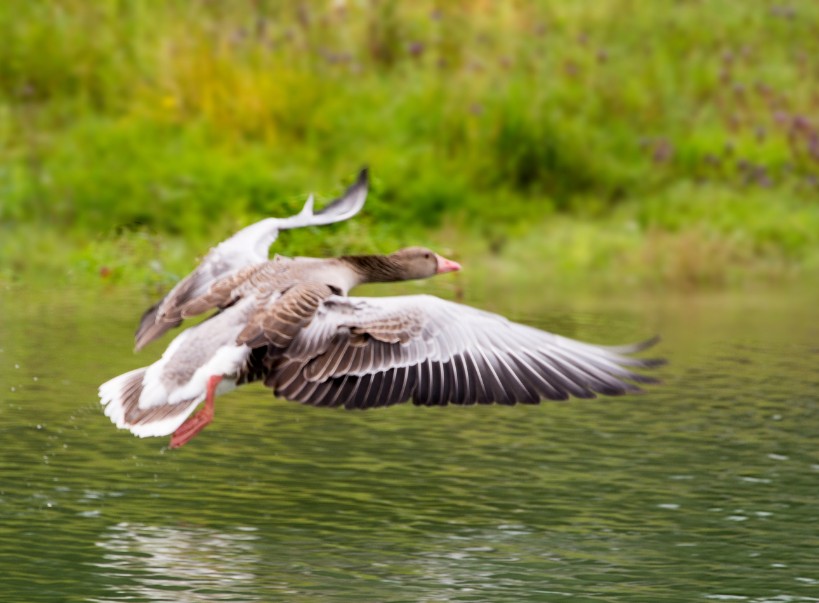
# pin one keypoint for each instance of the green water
(705, 488)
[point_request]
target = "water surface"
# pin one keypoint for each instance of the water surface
(704, 488)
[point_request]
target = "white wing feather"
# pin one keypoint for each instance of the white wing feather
(248, 246)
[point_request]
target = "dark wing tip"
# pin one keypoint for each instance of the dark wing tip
(633, 348)
(151, 328)
(148, 320)
(153, 331)
(644, 345)
(652, 362)
(363, 175)
(360, 185)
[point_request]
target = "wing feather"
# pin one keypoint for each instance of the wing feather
(247, 248)
(277, 323)
(371, 352)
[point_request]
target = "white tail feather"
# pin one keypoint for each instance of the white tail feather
(113, 399)
(120, 397)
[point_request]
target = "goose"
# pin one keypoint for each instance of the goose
(290, 323)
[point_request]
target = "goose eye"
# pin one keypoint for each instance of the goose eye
(426, 256)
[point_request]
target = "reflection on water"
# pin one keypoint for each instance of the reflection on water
(701, 489)
(178, 564)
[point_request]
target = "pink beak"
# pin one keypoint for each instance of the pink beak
(445, 265)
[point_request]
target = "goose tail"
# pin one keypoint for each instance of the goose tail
(120, 398)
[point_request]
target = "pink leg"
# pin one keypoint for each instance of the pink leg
(197, 422)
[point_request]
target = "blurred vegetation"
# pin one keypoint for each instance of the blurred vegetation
(663, 143)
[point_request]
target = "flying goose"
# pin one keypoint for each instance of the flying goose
(290, 323)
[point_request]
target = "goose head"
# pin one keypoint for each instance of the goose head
(420, 262)
(403, 265)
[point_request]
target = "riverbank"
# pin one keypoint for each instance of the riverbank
(676, 148)
(727, 244)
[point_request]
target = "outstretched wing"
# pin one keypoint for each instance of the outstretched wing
(247, 247)
(367, 352)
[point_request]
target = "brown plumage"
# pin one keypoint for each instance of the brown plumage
(277, 324)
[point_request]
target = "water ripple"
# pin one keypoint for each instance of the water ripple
(701, 489)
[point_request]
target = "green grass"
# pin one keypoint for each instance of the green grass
(653, 144)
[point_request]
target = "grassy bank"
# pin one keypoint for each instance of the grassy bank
(653, 144)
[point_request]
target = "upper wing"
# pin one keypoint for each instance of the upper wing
(279, 319)
(367, 352)
(247, 247)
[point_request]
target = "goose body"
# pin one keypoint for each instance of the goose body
(289, 323)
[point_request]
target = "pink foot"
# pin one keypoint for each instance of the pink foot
(190, 428)
(186, 432)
